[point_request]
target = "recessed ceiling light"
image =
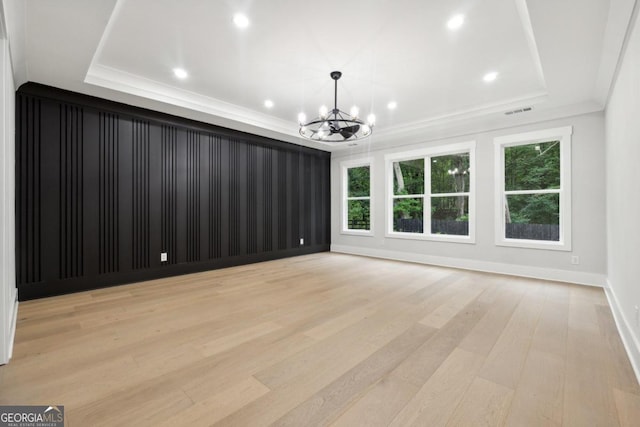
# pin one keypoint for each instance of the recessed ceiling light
(392, 105)
(268, 103)
(180, 73)
(455, 22)
(489, 77)
(241, 20)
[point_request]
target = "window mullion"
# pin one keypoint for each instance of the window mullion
(526, 192)
(466, 193)
(426, 204)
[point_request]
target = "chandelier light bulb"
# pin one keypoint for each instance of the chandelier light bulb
(366, 130)
(302, 118)
(354, 111)
(371, 120)
(324, 111)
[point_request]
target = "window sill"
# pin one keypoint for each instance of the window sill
(366, 233)
(432, 237)
(534, 244)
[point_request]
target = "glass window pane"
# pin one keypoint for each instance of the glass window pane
(450, 215)
(358, 181)
(533, 217)
(450, 174)
(358, 215)
(408, 177)
(408, 215)
(532, 166)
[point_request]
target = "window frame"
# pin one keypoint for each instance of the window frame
(427, 154)
(561, 134)
(344, 171)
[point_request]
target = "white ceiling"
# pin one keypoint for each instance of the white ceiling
(558, 57)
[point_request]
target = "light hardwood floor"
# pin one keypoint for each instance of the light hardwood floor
(326, 339)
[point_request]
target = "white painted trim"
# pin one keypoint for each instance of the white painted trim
(12, 333)
(531, 99)
(563, 134)
(620, 25)
(463, 129)
(525, 19)
(577, 277)
(427, 154)
(460, 147)
(344, 166)
(431, 237)
(630, 342)
(111, 78)
(534, 136)
(8, 291)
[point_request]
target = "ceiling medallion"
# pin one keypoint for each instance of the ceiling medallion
(336, 125)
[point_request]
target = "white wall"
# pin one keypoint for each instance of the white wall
(8, 302)
(623, 196)
(588, 206)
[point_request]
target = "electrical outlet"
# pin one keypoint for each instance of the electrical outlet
(301, 241)
(575, 260)
(163, 257)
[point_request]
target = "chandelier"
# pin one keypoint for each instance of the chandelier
(336, 125)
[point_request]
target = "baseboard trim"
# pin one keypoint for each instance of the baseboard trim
(631, 344)
(90, 282)
(4, 358)
(577, 277)
(12, 330)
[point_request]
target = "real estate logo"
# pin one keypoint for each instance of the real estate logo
(31, 416)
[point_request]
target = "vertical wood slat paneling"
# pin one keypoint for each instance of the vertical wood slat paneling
(267, 184)
(108, 198)
(168, 211)
(234, 199)
(193, 196)
(220, 199)
(296, 199)
(307, 183)
(283, 218)
(326, 202)
(215, 197)
(28, 191)
(140, 195)
(71, 191)
(252, 199)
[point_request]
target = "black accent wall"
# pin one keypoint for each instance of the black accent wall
(103, 188)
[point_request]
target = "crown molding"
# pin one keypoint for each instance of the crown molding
(111, 78)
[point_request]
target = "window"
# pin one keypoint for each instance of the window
(533, 189)
(431, 193)
(356, 178)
